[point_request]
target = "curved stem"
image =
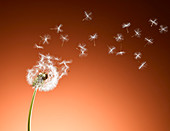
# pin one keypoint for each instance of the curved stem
(30, 110)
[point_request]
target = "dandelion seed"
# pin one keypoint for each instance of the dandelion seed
(82, 49)
(126, 26)
(137, 33)
(111, 49)
(45, 38)
(120, 53)
(87, 16)
(149, 41)
(64, 68)
(142, 65)
(163, 29)
(44, 77)
(93, 38)
(64, 38)
(137, 55)
(153, 22)
(57, 59)
(38, 47)
(119, 38)
(41, 58)
(58, 28)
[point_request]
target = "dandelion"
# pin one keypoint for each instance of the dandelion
(119, 37)
(64, 38)
(93, 38)
(87, 16)
(111, 49)
(142, 65)
(38, 47)
(137, 33)
(45, 38)
(149, 41)
(163, 29)
(153, 22)
(82, 49)
(58, 28)
(137, 55)
(44, 77)
(126, 26)
(120, 53)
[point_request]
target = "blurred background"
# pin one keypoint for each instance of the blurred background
(102, 92)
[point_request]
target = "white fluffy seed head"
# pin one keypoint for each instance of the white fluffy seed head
(45, 67)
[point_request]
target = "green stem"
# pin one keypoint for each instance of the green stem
(30, 111)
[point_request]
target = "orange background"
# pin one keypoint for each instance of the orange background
(101, 92)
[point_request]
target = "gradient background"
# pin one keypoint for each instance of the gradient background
(101, 92)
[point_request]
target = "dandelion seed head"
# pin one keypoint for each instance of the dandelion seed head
(45, 75)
